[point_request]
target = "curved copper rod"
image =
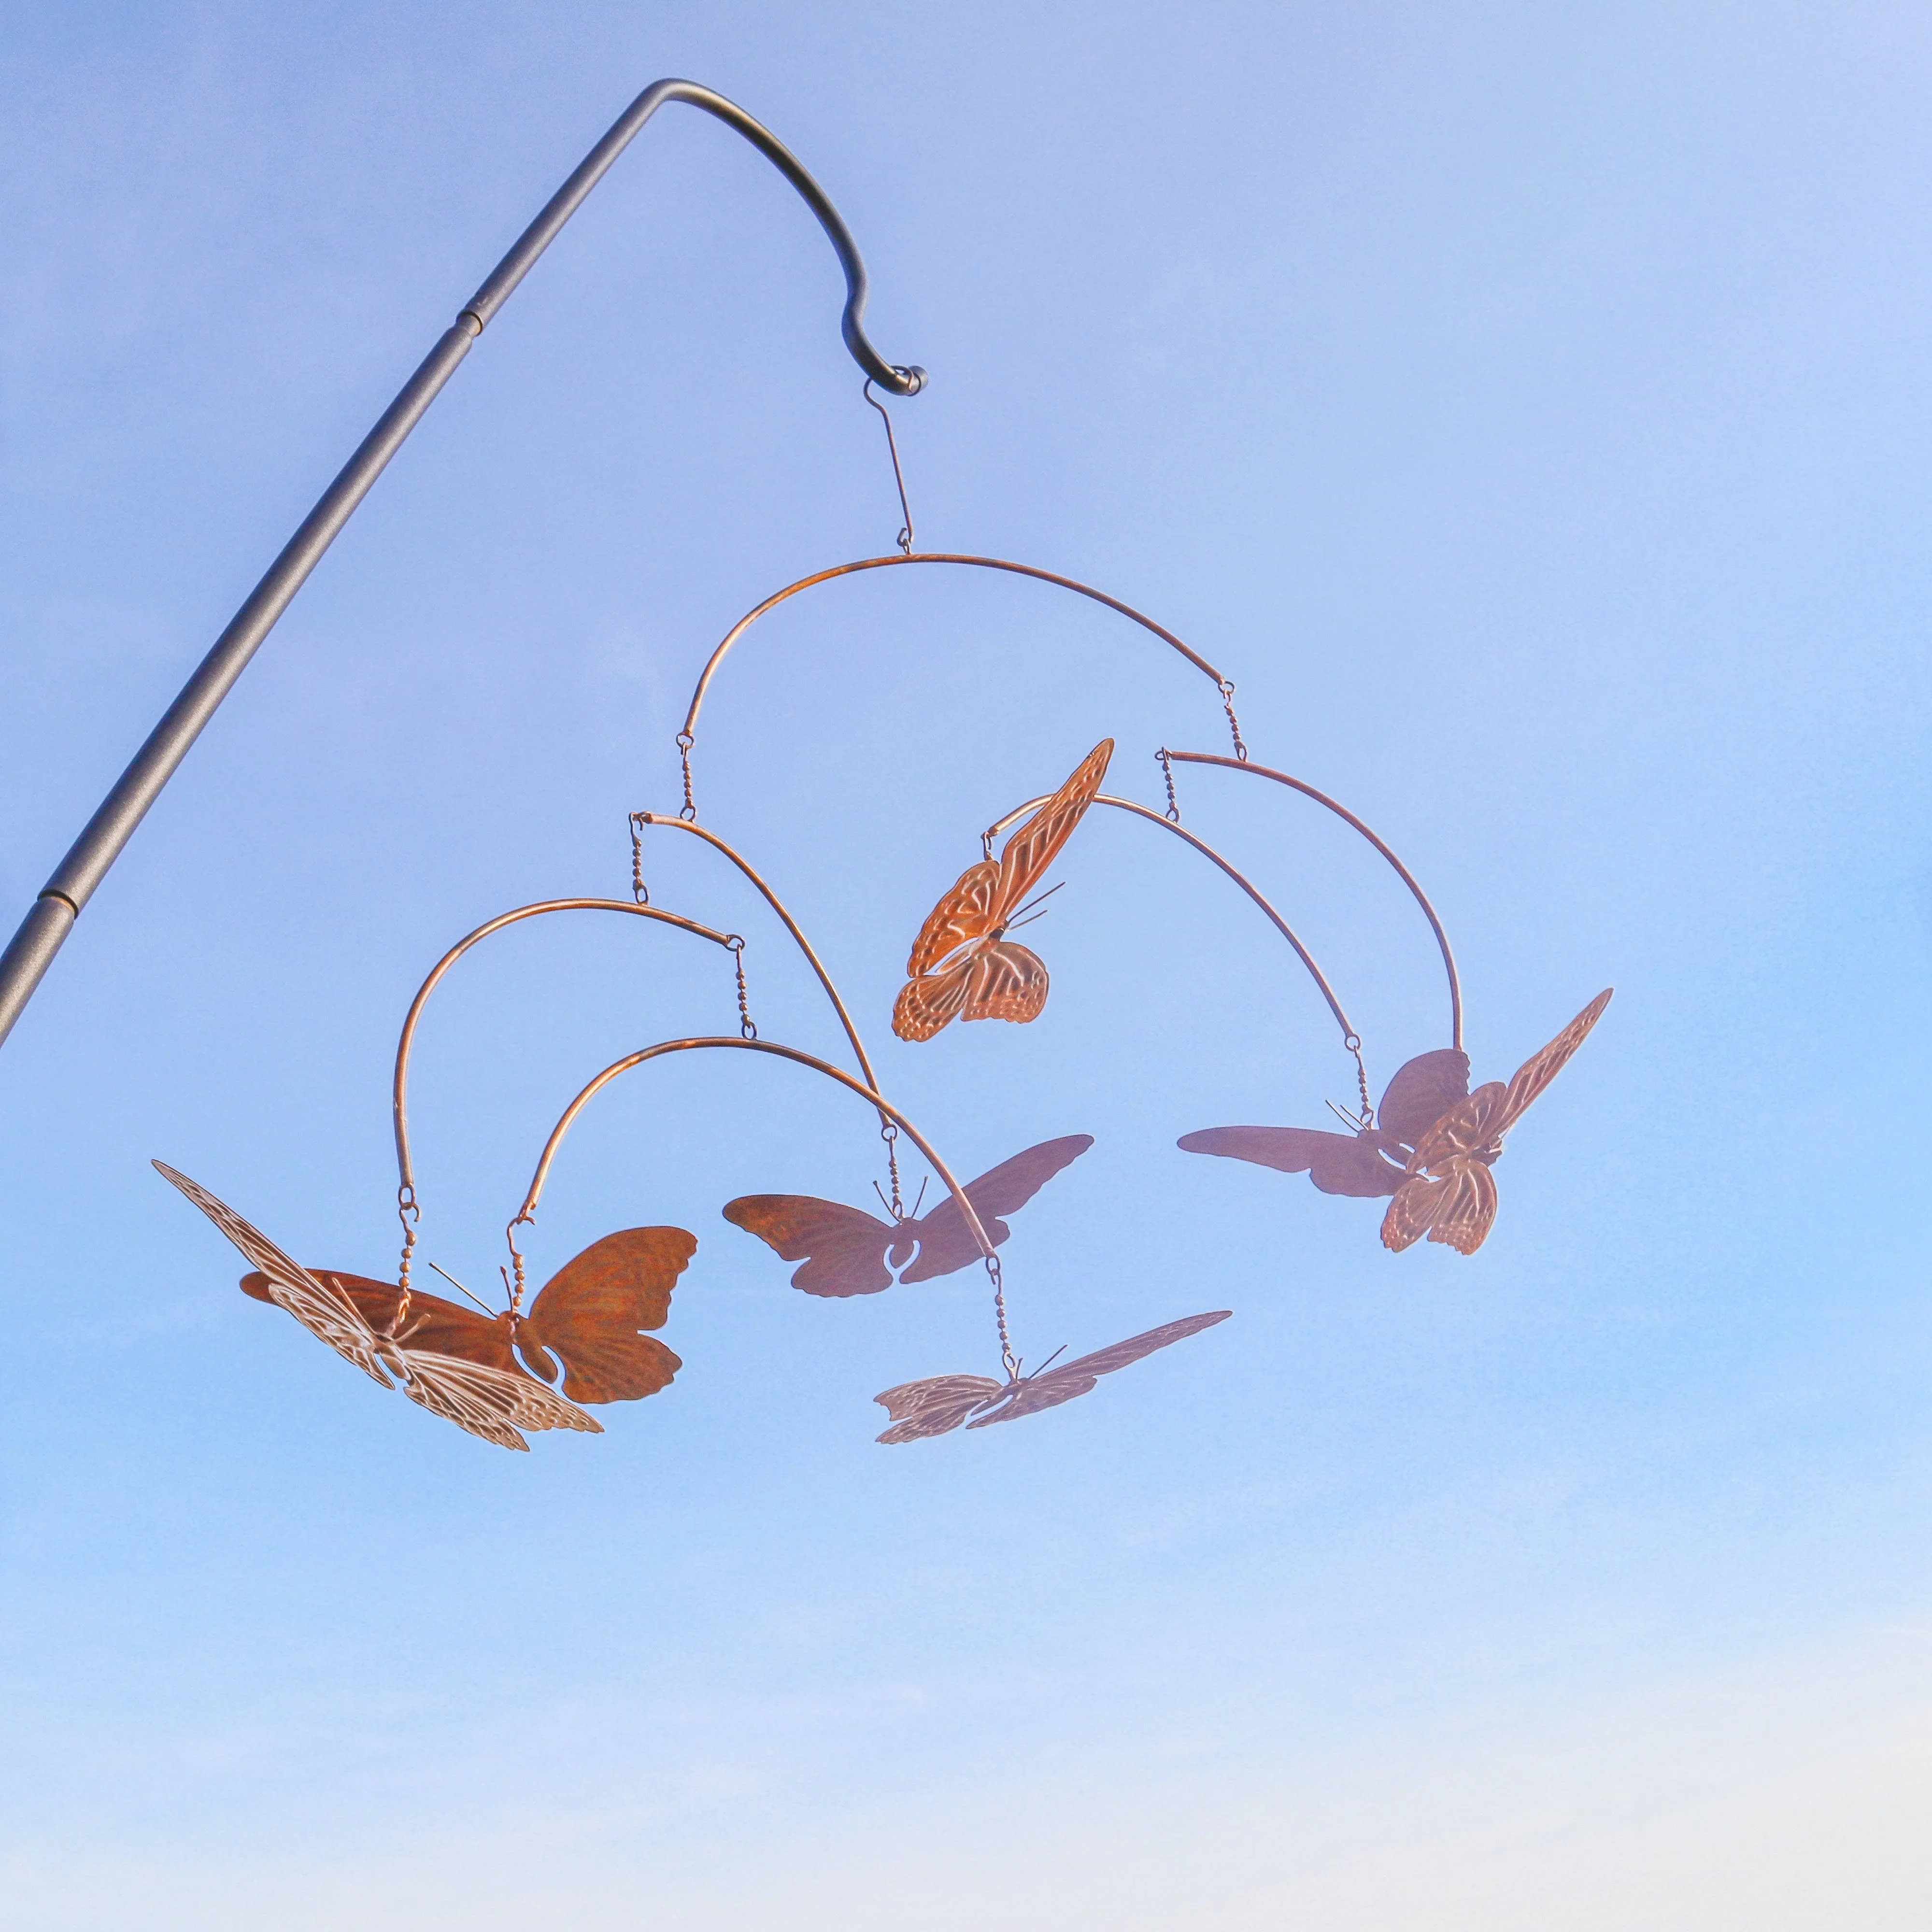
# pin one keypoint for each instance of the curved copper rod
(400, 1095)
(790, 925)
(1223, 684)
(528, 1211)
(1351, 1038)
(1402, 872)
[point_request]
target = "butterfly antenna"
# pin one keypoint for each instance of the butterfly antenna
(1048, 1362)
(1356, 1123)
(454, 1283)
(917, 1198)
(883, 1201)
(1035, 900)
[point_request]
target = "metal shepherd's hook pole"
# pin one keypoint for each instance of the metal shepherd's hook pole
(32, 949)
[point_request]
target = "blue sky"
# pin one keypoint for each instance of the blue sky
(1528, 407)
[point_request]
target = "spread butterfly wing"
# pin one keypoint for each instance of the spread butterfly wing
(1536, 1072)
(1052, 1387)
(935, 1406)
(1457, 1208)
(946, 1243)
(442, 1327)
(1005, 981)
(1025, 857)
(1423, 1089)
(934, 1000)
(844, 1248)
(327, 1313)
(590, 1311)
(966, 913)
(1336, 1163)
(487, 1401)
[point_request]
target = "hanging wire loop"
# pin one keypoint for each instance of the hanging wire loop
(905, 535)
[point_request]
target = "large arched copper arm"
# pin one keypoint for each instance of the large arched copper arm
(1402, 871)
(51, 918)
(1351, 1038)
(689, 736)
(870, 1095)
(400, 1090)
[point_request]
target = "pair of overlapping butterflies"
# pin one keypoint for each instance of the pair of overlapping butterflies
(1430, 1143)
(463, 1364)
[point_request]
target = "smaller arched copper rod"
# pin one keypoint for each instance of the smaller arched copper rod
(790, 925)
(777, 598)
(400, 1100)
(1402, 872)
(1352, 1039)
(870, 1095)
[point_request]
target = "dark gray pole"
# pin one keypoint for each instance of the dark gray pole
(47, 926)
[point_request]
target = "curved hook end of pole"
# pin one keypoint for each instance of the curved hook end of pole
(897, 379)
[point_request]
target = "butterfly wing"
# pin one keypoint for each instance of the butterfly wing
(1468, 1211)
(935, 1405)
(933, 1000)
(1336, 1163)
(591, 1309)
(965, 913)
(1025, 857)
(1423, 1089)
(327, 1313)
(843, 1248)
(1536, 1072)
(1052, 1387)
(442, 1328)
(1006, 982)
(946, 1243)
(1412, 1212)
(487, 1401)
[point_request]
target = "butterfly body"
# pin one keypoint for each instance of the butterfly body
(846, 1251)
(1446, 1138)
(939, 1404)
(962, 965)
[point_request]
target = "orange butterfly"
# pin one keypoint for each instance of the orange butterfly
(962, 965)
(846, 1251)
(1449, 1193)
(457, 1364)
(940, 1403)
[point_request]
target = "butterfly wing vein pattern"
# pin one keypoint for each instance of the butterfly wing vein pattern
(941, 1403)
(462, 1365)
(962, 966)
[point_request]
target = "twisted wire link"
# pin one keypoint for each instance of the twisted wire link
(889, 1132)
(747, 1027)
(515, 1289)
(1234, 723)
(688, 810)
(640, 891)
(1007, 1358)
(1166, 761)
(408, 1213)
(1353, 1042)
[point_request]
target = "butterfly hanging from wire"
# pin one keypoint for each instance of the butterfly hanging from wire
(940, 1403)
(458, 1364)
(962, 965)
(1431, 1143)
(848, 1251)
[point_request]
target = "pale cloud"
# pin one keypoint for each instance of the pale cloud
(1789, 1797)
